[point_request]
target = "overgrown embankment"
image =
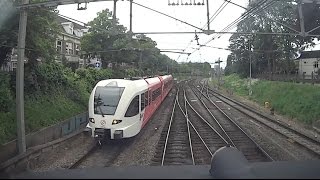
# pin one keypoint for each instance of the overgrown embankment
(52, 94)
(300, 101)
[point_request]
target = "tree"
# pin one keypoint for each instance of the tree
(271, 53)
(110, 41)
(103, 32)
(8, 29)
(42, 30)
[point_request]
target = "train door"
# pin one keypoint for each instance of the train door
(142, 104)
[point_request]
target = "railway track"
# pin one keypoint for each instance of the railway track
(101, 154)
(174, 144)
(310, 143)
(84, 157)
(209, 137)
(185, 141)
(233, 133)
(190, 139)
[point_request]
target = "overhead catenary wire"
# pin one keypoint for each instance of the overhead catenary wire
(291, 28)
(184, 50)
(237, 20)
(168, 16)
(215, 15)
(242, 17)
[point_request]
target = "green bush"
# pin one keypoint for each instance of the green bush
(49, 76)
(6, 99)
(92, 76)
(53, 93)
(132, 72)
(236, 84)
(41, 111)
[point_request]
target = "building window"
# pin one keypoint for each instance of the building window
(316, 64)
(69, 48)
(305, 62)
(71, 29)
(77, 49)
(59, 46)
(14, 65)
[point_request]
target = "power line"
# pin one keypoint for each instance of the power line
(85, 24)
(215, 13)
(214, 17)
(185, 50)
(218, 11)
(254, 50)
(167, 15)
(263, 16)
(244, 16)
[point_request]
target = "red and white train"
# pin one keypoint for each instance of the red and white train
(120, 108)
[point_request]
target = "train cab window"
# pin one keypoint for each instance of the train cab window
(106, 99)
(133, 108)
(142, 102)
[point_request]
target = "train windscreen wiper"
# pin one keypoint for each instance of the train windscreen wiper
(109, 105)
(99, 103)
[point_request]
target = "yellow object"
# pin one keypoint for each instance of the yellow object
(266, 104)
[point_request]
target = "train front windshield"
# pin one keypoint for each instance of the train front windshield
(106, 99)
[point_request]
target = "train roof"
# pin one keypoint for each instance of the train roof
(135, 81)
(122, 83)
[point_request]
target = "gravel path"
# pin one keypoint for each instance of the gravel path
(62, 156)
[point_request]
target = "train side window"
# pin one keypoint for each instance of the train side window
(155, 94)
(146, 100)
(149, 97)
(133, 108)
(142, 101)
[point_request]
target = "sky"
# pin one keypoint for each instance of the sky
(145, 20)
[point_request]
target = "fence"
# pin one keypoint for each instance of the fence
(45, 135)
(291, 78)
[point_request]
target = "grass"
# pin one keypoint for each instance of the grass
(300, 101)
(40, 112)
(297, 101)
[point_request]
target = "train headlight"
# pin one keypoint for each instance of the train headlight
(91, 120)
(116, 121)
